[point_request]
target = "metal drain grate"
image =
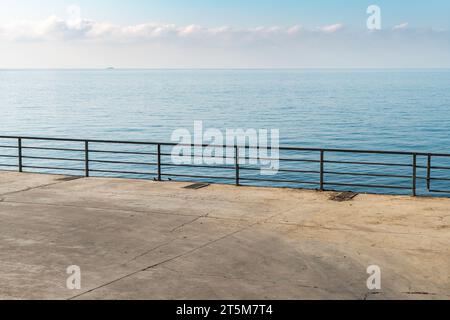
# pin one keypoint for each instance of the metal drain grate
(197, 186)
(343, 196)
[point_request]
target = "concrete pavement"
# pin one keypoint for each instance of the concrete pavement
(147, 240)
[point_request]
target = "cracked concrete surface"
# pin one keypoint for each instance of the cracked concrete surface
(148, 240)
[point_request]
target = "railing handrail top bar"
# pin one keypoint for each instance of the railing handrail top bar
(225, 146)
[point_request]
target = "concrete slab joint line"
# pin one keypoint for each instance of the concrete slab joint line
(36, 187)
(168, 260)
(154, 265)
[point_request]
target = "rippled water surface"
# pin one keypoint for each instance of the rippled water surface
(362, 109)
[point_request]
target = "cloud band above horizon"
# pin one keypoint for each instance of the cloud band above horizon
(55, 28)
(169, 45)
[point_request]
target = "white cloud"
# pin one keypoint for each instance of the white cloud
(401, 26)
(50, 29)
(76, 28)
(75, 42)
(332, 28)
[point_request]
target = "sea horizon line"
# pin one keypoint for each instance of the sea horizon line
(232, 69)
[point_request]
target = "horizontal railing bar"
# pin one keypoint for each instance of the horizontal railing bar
(123, 172)
(242, 158)
(405, 153)
(425, 178)
(8, 156)
(123, 162)
(440, 191)
(196, 166)
(279, 181)
(318, 150)
(281, 159)
(369, 163)
(195, 176)
(440, 168)
(291, 160)
(123, 152)
(9, 147)
(246, 158)
(444, 155)
(280, 170)
(366, 186)
(232, 167)
(195, 156)
(52, 168)
(169, 155)
(8, 165)
(53, 149)
(225, 146)
(367, 174)
(51, 158)
(230, 158)
(81, 140)
(440, 179)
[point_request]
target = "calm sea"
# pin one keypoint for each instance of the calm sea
(361, 109)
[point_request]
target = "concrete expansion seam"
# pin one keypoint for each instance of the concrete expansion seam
(193, 221)
(188, 223)
(180, 255)
(33, 188)
(159, 263)
(102, 208)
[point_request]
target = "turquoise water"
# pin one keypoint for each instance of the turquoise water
(362, 109)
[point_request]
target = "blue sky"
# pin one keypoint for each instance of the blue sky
(244, 13)
(231, 33)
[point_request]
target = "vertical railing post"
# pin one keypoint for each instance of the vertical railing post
(322, 159)
(19, 148)
(414, 175)
(159, 178)
(86, 159)
(236, 163)
(429, 173)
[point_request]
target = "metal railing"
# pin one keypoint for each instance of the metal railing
(324, 164)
